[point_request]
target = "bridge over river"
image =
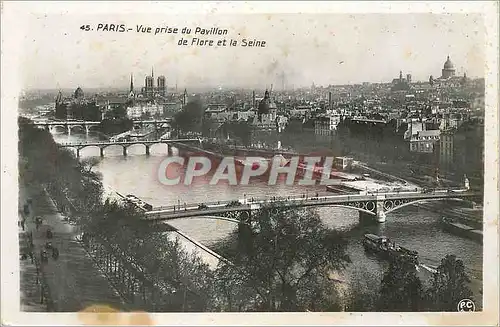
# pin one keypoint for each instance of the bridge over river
(376, 205)
(87, 125)
(124, 144)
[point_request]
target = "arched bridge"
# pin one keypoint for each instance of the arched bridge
(376, 205)
(68, 124)
(103, 145)
(87, 125)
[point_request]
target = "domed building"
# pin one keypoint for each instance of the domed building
(266, 113)
(264, 104)
(77, 107)
(448, 69)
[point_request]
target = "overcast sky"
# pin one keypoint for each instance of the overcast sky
(324, 49)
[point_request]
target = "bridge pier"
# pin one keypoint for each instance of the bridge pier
(124, 151)
(78, 152)
(380, 212)
(69, 129)
(101, 152)
(87, 129)
(377, 217)
(381, 217)
(169, 149)
(147, 150)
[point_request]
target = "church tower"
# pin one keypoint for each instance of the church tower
(131, 83)
(184, 97)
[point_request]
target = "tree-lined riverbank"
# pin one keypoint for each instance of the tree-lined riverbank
(73, 184)
(266, 275)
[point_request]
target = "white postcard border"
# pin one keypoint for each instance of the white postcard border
(12, 33)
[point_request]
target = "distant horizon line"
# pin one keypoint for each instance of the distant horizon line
(275, 89)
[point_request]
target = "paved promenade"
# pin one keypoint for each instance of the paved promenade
(74, 282)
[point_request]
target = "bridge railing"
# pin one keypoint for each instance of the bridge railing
(297, 199)
(128, 142)
(251, 200)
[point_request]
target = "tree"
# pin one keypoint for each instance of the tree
(239, 129)
(190, 118)
(112, 126)
(116, 112)
(401, 289)
(449, 285)
(120, 226)
(361, 297)
(286, 266)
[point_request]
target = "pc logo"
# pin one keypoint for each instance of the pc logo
(466, 305)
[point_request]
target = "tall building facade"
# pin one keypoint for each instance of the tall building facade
(162, 88)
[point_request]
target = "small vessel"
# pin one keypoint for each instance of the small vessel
(386, 248)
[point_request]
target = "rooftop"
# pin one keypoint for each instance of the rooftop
(432, 132)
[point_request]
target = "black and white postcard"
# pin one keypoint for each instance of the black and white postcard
(249, 163)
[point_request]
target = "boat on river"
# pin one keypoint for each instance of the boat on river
(384, 247)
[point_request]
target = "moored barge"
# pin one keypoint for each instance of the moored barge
(461, 229)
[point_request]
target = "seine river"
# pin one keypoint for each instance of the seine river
(411, 227)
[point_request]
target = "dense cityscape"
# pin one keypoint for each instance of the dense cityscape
(439, 122)
(373, 240)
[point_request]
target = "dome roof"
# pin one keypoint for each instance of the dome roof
(448, 64)
(264, 104)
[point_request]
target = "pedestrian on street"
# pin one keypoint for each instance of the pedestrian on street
(43, 256)
(42, 290)
(55, 253)
(38, 222)
(22, 224)
(26, 209)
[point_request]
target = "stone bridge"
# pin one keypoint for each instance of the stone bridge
(103, 145)
(87, 125)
